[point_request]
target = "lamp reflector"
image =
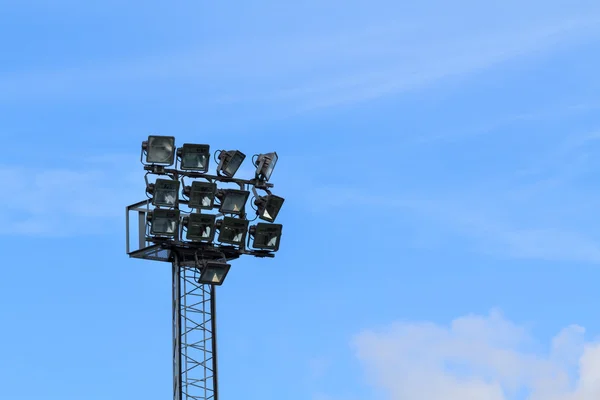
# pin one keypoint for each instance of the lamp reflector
(201, 227)
(230, 162)
(265, 164)
(194, 157)
(234, 201)
(160, 150)
(164, 222)
(214, 272)
(233, 230)
(267, 236)
(269, 206)
(165, 192)
(202, 195)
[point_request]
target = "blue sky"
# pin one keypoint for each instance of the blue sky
(439, 164)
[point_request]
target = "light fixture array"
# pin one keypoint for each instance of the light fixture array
(168, 221)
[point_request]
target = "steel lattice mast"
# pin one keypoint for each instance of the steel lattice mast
(194, 337)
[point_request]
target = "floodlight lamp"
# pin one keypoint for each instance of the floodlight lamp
(230, 162)
(213, 272)
(266, 236)
(165, 192)
(159, 150)
(268, 207)
(265, 164)
(200, 227)
(163, 222)
(201, 194)
(233, 201)
(232, 230)
(194, 157)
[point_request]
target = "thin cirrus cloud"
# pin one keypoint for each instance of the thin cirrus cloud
(478, 357)
(329, 67)
(539, 210)
(65, 201)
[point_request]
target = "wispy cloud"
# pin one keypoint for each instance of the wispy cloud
(67, 201)
(556, 113)
(392, 52)
(541, 209)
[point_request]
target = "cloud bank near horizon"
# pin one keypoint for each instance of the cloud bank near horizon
(481, 358)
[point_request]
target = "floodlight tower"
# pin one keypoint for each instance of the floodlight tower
(175, 225)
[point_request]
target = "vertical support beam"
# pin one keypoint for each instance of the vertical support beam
(213, 313)
(176, 273)
(141, 229)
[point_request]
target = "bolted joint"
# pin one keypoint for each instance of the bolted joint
(260, 201)
(150, 188)
(155, 169)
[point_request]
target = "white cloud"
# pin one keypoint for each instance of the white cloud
(479, 358)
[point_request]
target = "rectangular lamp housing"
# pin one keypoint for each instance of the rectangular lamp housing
(267, 236)
(214, 273)
(201, 227)
(164, 222)
(166, 193)
(195, 157)
(202, 195)
(231, 162)
(234, 201)
(269, 209)
(160, 150)
(233, 230)
(266, 165)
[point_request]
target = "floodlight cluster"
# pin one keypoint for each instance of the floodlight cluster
(185, 210)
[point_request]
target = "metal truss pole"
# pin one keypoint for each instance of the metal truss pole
(176, 272)
(194, 336)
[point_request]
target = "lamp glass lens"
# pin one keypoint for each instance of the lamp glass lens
(195, 157)
(201, 227)
(194, 161)
(234, 163)
(271, 209)
(166, 193)
(234, 202)
(161, 150)
(270, 165)
(202, 195)
(231, 235)
(267, 236)
(165, 226)
(164, 222)
(233, 230)
(213, 275)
